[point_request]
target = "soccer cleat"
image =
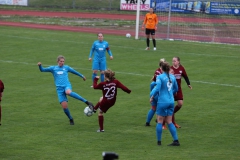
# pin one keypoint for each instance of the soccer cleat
(164, 127)
(176, 125)
(147, 48)
(154, 48)
(147, 124)
(175, 143)
(100, 130)
(71, 122)
(90, 105)
(159, 143)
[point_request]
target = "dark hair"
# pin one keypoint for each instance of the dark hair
(166, 68)
(109, 74)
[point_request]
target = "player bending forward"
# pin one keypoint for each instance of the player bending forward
(109, 91)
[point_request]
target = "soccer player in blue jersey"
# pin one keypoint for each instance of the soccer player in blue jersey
(63, 85)
(166, 88)
(99, 49)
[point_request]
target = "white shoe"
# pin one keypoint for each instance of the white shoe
(147, 48)
(100, 130)
(154, 48)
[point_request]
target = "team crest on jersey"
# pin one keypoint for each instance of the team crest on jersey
(60, 72)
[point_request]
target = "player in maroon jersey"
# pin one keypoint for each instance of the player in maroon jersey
(179, 72)
(1, 91)
(109, 91)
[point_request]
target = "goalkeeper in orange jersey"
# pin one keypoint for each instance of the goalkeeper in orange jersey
(150, 23)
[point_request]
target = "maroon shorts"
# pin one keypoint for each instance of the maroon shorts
(106, 104)
(179, 95)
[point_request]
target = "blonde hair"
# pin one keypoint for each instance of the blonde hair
(161, 61)
(60, 57)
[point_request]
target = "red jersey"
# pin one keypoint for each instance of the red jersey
(156, 73)
(179, 73)
(109, 89)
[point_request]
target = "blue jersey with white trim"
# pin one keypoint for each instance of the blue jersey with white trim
(164, 88)
(60, 74)
(99, 49)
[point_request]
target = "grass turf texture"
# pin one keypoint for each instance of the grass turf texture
(35, 127)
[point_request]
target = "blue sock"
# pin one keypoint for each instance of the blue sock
(150, 115)
(159, 131)
(75, 95)
(173, 131)
(102, 77)
(93, 76)
(67, 112)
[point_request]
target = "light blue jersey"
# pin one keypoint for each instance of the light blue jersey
(60, 74)
(165, 91)
(164, 88)
(62, 82)
(98, 50)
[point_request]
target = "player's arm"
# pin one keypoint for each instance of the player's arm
(155, 90)
(91, 52)
(144, 22)
(1, 86)
(95, 85)
(124, 88)
(156, 22)
(109, 52)
(48, 69)
(73, 71)
(175, 86)
(184, 74)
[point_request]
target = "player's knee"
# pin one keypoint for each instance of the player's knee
(68, 92)
(100, 99)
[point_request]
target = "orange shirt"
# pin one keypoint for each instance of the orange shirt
(150, 20)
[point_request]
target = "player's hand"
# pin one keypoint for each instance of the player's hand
(142, 27)
(90, 59)
(189, 86)
(155, 28)
(39, 63)
(111, 57)
(151, 99)
(97, 77)
(84, 78)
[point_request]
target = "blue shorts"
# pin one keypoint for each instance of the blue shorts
(99, 65)
(165, 109)
(61, 93)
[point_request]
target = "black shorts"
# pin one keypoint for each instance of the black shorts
(150, 31)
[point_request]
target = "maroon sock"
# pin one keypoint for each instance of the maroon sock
(173, 119)
(97, 106)
(176, 108)
(100, 121)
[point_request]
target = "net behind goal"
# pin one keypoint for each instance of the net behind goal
(206, 21)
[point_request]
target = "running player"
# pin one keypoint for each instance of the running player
(63, 85)
(109, 94)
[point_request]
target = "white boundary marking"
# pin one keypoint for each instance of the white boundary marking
(134, 74)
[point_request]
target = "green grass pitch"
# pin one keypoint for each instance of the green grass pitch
(34, 126)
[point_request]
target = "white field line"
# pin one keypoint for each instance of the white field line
(128, 73)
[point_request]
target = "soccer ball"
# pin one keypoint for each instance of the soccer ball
(128, 35)
(88, 112)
